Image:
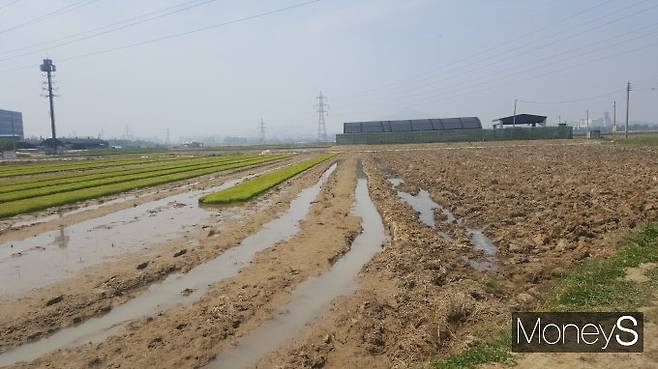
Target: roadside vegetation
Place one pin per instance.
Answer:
(595, 285)
(94, 189)
(253, 187)
(644, 138)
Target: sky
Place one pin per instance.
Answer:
(373, 59)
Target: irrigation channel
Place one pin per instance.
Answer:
(55, 255)
(167, 294)
(311, 297)
(424, 205)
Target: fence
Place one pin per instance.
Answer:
(456, 135)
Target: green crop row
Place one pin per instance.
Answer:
(248, 189)
(42, 168)
(26, 184)
(41, 191)
(57, 199)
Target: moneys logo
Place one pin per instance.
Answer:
(577, 332)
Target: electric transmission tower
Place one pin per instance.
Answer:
(322, 107)
(47, 69)
(261, 129)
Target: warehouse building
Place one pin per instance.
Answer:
(11, 125)
(464, 129)
(521, 119)
(409, 131)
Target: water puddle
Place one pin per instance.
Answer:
(484, 244)
(314, 295)
(425, 206)
(175, 289)
(55, 255)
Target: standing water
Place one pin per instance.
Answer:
(425, 206)
(314, 295)
(167, 294)
(55, 255)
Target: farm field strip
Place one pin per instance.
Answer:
(147, 226)
(248, 189)
(166, 294)
(100, 174)
(189, 301)
(56, 199)
(22, 170)
(41, 191)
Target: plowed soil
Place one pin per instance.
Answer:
(545, 205)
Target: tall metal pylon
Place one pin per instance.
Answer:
(261, 128)
(322, 107)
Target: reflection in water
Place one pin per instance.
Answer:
(425, 206)
(167, 294)
(62, 240)
(100, 239)
(314, 295)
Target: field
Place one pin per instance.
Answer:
(250, 188)
(36, 193)
(404, 256)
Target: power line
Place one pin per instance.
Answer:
(10, 3)
(551, 25)
(451, 95)
(588, 62)
(608, 94)
(178, 35)
(513, 71)
(110, 28)
(417, 91)
(44, 17)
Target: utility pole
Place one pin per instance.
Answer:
(628, 100)
(49, 68)
(262, 131)
(514, 118)
(322, 107)
(614, 117)
(587, 121)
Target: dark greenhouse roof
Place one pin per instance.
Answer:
(522, 119)
(413, 125)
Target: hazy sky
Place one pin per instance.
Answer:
(374, 59)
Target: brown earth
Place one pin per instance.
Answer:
(98, 288)
(189, 337)
(545, 205)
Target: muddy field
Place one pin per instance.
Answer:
(383, 257)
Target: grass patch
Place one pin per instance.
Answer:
(46, 201)
(497, 351)
(493, 286)
(599, 285)
(248, 189)
(634, 138)
(595, 285)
